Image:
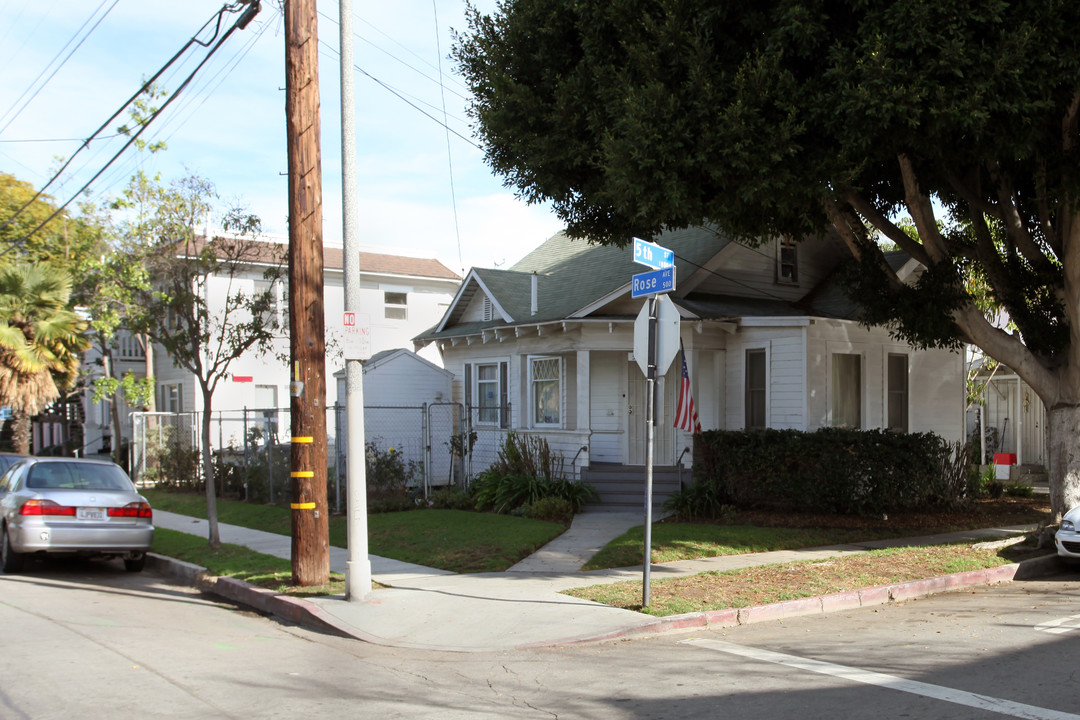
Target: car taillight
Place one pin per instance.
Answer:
(45, 507)
(135, 510)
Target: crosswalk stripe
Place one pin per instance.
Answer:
(869, 677)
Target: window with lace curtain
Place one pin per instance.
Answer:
(546, 380)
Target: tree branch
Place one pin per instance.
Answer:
(1008, 349)
(1014, 224)
(853, 233)
(922, 212)
(888, 228)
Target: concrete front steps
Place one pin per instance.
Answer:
(622, 487)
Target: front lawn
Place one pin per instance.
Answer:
(453, 540)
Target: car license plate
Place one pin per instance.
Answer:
(84, 513)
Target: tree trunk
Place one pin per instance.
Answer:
(1063, 423)
(208, 474)
(20, 431)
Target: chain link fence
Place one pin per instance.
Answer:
(437, 444)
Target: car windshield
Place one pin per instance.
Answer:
(77, 476)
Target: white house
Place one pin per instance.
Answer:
(771, 341)
(401, 295)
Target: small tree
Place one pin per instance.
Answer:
(176, 310)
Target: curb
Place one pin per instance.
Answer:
(835, 602)
(299, 611)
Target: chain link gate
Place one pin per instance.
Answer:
(164, 447)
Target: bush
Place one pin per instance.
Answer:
(451, 498)
(700, 501)
(388, 477)
(552, 509)
(526, 471)
(832, 470)
(1019, 489)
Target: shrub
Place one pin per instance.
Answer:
(1019, 489)
(700, 501)
(388, 477)
(552, 509)
(832, 470)
(451, 498)
(526, 471)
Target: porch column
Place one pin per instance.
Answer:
(584, 391)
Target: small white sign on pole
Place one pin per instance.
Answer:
(357, 331)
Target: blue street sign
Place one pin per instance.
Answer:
(657, 281)
(653, 255)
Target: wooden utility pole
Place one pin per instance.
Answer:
(310, 528)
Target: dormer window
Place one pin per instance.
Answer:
(787, 261)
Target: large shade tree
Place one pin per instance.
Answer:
(784, 117)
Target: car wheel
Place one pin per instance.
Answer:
(135, 564)
(10, 560)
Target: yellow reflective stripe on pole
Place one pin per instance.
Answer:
(303, 506)
(303, 474)
(307, 439)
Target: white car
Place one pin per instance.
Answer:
(1067, 538)
(72, 506)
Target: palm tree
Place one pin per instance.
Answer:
(40, 342)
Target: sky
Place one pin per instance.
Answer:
(70, 64)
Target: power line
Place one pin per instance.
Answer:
(449, 154)
(58, 67)
(251, 9)
(146, 85)
(404, 99)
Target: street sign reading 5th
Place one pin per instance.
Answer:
(653, 255)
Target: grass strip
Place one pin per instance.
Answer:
(454, 540)
(748, 587)
(236, 561)
(688, 541)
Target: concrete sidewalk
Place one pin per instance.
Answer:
(423, 607)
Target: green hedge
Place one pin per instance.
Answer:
(831, 470)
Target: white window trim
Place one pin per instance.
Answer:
(886, 353)
(832, 350)
(767, 347)
(474, 390)
(562, 391)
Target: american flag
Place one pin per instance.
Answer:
(686, 417)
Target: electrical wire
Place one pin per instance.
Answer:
(146, 85)
(449, 154)
(240, 23)
(402, 97)
(58, 67)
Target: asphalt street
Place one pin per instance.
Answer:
(89, 640)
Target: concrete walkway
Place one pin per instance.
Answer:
(423, 607)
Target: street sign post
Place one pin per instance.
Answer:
(656, 339)
(652, 255)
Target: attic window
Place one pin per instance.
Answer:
(489, 310)
(787, 261)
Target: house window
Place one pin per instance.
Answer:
(491, 393)
(787, 261)
(272, 290)
(897, 398)
(545, 378)
(756, 379)
(172, 399)
(396, 305)
(847, 390)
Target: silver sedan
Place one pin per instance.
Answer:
(72, 506)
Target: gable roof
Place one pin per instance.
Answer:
(575, 279)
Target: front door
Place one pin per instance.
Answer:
(637, 430)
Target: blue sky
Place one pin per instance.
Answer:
(229, 125)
